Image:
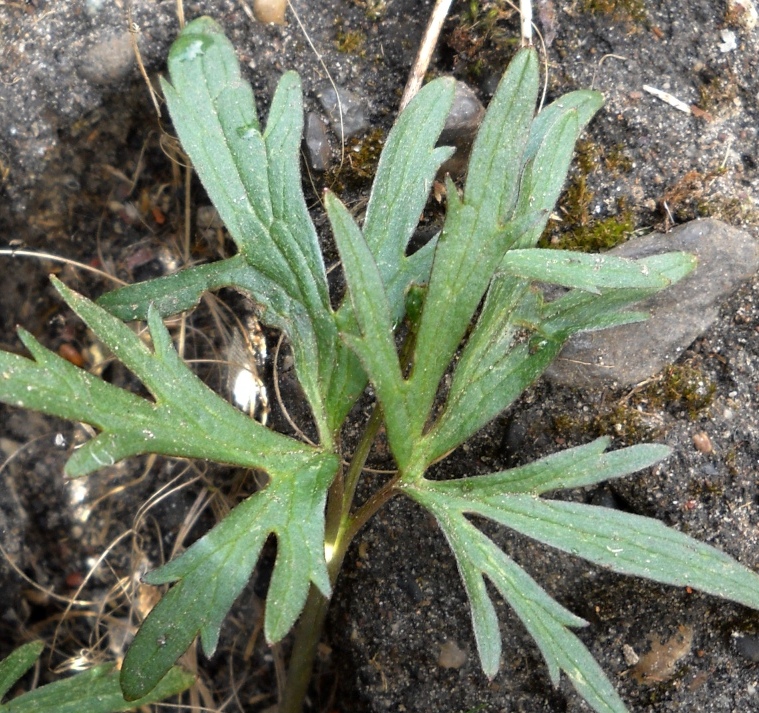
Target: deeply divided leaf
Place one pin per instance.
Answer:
(254, 181)
(480, 326)
(547, 621)
(375, 341)
(477, 231)
(495, 164)
(549, 153)
(95, 691)
(211, 574)
(623, 542)
(406, 171)
(186, 419)
(404, 177)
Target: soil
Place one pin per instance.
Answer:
(90, 173)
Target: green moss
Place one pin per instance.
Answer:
(731, 210)
(681, 387)
(350, 41)
(617, 161)
(578, 228)
(633, 11)
(360, 163)
(575, 204)
(620, 419)
(697, 195)
(484, 16)
(625, 422)
(632, 418)
(600, 235)
(719, 93)
(587, 156)
(476, 69)
(483, 36)
(731, 460)
(705, 489)
(373, 9)
(565, 424)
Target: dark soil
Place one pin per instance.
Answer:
(88, 174)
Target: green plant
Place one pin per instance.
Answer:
(463, 306)
(96, 690)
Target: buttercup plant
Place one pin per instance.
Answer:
(96, 690)
(466, 307)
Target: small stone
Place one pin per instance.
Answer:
(451, 656)
(316, 142)
(460, 128)
(631, 353)
(747, 645)
(351, 108)
(661, 662)
(630, 655)
(207, 217)
(464, 118)
(270, 11)
(729, 41)
(742, 13)
(109, 60)
(702, 442)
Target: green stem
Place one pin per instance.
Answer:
(307, 636)
(311, 623)
(369, 508)
(340, 529)
(359, 461)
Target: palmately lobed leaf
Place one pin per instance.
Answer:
(96, 690)
(253, 179)
(547, 621)
(186, 419)
(622, 542)
(486, 250)
(405, 174)
(213, 571)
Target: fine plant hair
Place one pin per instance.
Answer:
(467, 309)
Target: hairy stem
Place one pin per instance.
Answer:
(359, 460)
(369, 508)
(307, 636)
(340, 529)
(338, 536)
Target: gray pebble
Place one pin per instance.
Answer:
(207, 216)
(460, 129)
(629, 354)
(316, 142)
(108, 60)
(747, 645)
(464, 117)
(354, 120)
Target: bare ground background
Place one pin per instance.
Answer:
(87, 173)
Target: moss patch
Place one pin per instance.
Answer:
(484, 34)
(631, 11)
(350, 41)
(683, 387)
(697, 195)
(578, 228)
(359, 166)
(374, 10)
